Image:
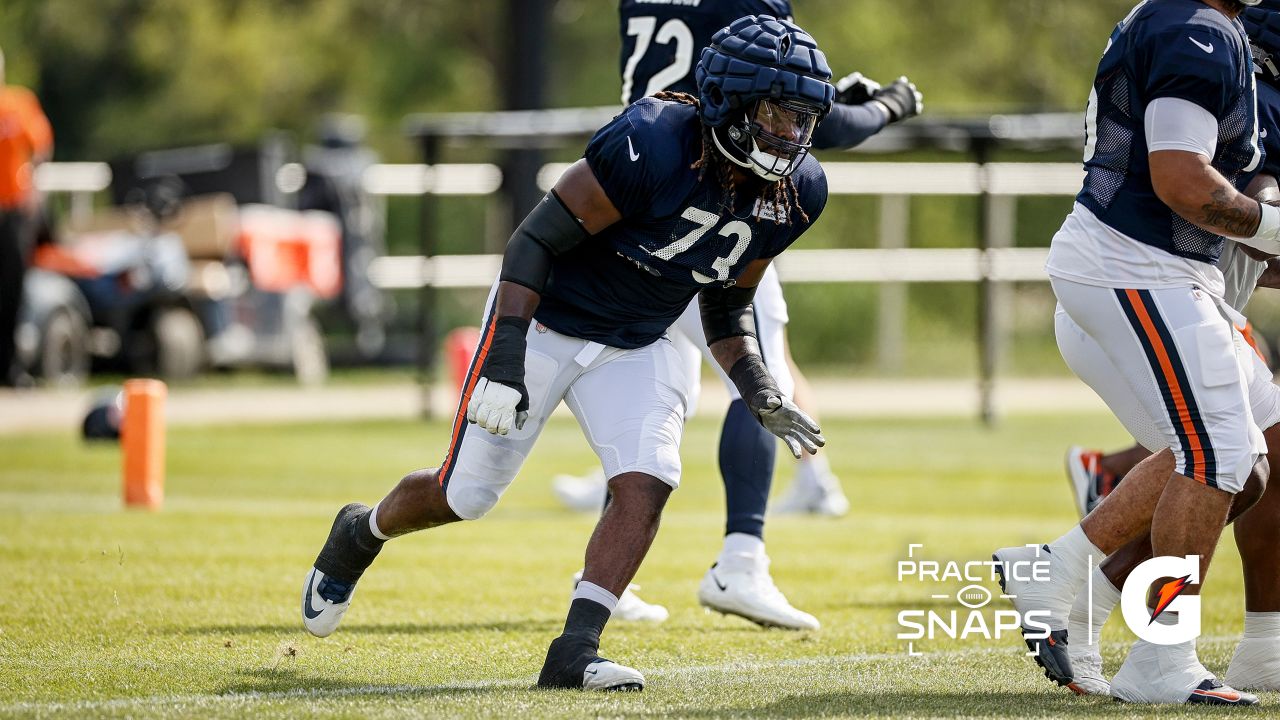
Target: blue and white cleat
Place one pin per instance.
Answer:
(330, 584)
(1049, 652)
(324, 601)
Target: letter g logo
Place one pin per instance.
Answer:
(1168, 598)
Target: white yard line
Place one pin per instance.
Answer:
(44, 410)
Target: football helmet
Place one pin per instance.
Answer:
(1263, 25)
(763, 86)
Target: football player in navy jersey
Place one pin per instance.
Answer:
(1256, 662)
(659, 42)
(678, 197)
(1171, 127)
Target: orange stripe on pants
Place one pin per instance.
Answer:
(1166, 367)
(460, 420)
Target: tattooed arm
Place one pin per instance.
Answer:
(1188, 184)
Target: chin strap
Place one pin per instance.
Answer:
(757, 159)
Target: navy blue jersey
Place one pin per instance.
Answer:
(1166, 48)
(626, 285)
(663, 39)
(1269, 128)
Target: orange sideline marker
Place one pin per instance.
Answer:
(459, 347)
(142, 438)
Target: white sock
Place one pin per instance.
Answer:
(741, 546)
(1104, 598)
(1262, 624)
(595, 593)
(812, 471)
(373, 524)
(1074, 557)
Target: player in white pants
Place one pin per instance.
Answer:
(1256, 662)
(1171, 127)
(740, 582)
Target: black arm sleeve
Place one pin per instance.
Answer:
(549, 230)
(727, 312)
(848, 125)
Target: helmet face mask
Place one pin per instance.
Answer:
(772, 137)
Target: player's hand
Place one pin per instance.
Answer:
(900, 99)
(783, 418)
(856, 89)
(497, 407)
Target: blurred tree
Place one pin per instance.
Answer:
(120, 75)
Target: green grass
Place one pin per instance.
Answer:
(193, 611)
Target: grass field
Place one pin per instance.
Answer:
(193, 611)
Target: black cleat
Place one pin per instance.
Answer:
(331, 583)
(1049, 652)
(572, 662)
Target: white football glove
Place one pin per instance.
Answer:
(493, 407)
(855, 89)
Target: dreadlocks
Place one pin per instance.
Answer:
(782, 194)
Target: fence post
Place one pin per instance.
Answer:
(891, 321)
(1001, 219)
(426, 294)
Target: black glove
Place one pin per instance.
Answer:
(855, 89)
(503, 365)
(901, 99)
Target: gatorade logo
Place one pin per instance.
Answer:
(1169, 599)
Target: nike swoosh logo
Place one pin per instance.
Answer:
(1228, 696)
(592, 672)
(631, 150)
(307, 609)
(1207, 48)
(719, 584)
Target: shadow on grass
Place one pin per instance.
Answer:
(286, 681)
(926, 704)
(380, 629)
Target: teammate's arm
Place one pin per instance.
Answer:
(729, 324)
(863, 108)
(575, 209)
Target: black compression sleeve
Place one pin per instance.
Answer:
(754, 382)
(505, 361)
(549, 230)
(727, 312)
(848, 125)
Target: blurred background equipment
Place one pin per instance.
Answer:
(26, 140)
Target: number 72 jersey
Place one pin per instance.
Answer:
(627, 284)
(663, 39)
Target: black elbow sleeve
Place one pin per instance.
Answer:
(727, 312)
(549, 230)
